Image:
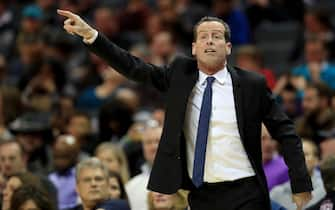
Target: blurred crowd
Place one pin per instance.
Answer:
(75, 134)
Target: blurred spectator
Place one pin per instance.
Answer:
(92, 181)
(48, 8)
(10, 109)
(66, 152)
(327, 146)
(64, 109)
(288, 97)
(317, 115)
(137, 186)
(28, 197)
(117, 190)
(275, 169)
(163, 48)
(316, 67)
(116, 116)
(7, 29)
(317, 25)
(114, 158)
(14, 161)
(108, 23)
(176, 201)
(134, 16)
(249, 57)
(92, 98)
(18, 180)
(79, 125)
(328, 173)
(259, 11)
(30, 53)
(33, 132)
(283, 194)
(235, 18)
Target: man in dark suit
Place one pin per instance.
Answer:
(211, 137)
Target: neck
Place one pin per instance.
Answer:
(210, 70)
(88, 205)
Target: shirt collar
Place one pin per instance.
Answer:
(220, 76)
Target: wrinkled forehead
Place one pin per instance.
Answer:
(211, 26)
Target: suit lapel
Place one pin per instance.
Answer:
(238, 99)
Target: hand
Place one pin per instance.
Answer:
(301, 199)
(75, 25)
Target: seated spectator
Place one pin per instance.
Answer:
(159, 201)
(327, 168)
(117, 190)
(18, 180)
(13, 161)
(249, 57)
(28, 197)
(65, 156)
(316, 67)
(282, 194)
(32, 131)
(317, 115)
(92, 184)
(137, 186)
(275, 169)
(114, 158)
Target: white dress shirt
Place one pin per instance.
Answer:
(226, 159)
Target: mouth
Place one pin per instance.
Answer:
(210, 51)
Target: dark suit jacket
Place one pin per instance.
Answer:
(254, 104)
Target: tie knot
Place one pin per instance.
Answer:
(210, 80)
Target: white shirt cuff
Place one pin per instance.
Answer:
(92, 39)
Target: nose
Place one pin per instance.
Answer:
(209, 41)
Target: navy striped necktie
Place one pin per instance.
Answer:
(202, 134)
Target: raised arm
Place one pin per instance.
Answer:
(121, 60)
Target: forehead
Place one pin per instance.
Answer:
(10, 148)
(210, 26)
(90, 172)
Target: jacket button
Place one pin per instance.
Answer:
(178, 157)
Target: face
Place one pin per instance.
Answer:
(92, 185)
(65, 153)
(310, 103)
(310, 155)
(12, 184)
(109, 159)
(11, 159)
(210, 46)
(29, 205)
(150, 143)
(30, 142)
(79, 126)
(115, 191)
(315, 52)
(162, 201)
(268, 145)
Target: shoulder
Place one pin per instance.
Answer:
(247, 76)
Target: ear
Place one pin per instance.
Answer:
(228, 48)
(193, 49)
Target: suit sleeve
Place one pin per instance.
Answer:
(130, 66)
(282, 129)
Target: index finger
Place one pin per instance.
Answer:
(67, 14)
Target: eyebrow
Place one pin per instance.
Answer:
(212, 31)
